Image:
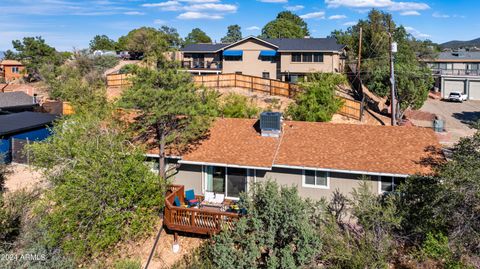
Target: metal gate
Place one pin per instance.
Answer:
(20, 154)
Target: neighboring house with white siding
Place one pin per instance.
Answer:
(286, 59)
(457, 71)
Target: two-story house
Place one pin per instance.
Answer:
(286, 59)
(11, 70)
(457, 71)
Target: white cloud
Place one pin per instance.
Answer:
(337, 17)
(416, 33)
(273, 1)
(439, 15)
(191, 15)
(199, 1)
(294, 8)
(410, 13)
(166, 6)
(387, 4)
(314, 15)
(159, 21)
(350, 23)
(253, 28)
(212, 6)
(134, 13)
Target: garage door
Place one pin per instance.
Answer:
(474, 90)
(453, 85)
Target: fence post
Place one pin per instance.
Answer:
(251, 83)
(235, 80)
(28, 152)
(270, 81)
(218, 81)
(289, 90)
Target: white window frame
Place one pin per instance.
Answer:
(248, 178)
(394, 186)
(305, 185)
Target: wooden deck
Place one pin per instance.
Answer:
(194, 220)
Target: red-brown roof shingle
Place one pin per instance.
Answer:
(346, 147)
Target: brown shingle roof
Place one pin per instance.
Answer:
(348, 147)
(10, 62)
(235, 142)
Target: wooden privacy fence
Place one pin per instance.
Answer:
(265, 85)
(118, 80)
(351, 108)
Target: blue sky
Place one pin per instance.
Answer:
(68, 24)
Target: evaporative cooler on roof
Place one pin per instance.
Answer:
(271, 123)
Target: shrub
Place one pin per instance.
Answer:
(277, 232)
(128, 264)
(238, 106)
(102, 191)
(318, 101)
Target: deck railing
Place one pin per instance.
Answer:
(456, 72)
(194, 220)
(202, 65)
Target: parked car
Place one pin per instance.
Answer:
(457, 97)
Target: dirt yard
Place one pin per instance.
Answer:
(164, 257)
(23, 176)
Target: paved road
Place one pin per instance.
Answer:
(457, 116)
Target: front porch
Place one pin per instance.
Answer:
(205, 219)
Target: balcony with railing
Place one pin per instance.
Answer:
(456, 72)
(202, 65)
(202, 219)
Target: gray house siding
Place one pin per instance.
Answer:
(344, 182)
(191, 176)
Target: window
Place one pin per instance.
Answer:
(228, 181)
(296, 57)
(307, 57)
(15, 69)
(315, 179)
(389, 184)
(266, 75)
(238, 72)
(318, 57)
(233, 58)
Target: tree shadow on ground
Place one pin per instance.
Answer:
(469, 118)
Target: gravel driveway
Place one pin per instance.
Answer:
(457, 116)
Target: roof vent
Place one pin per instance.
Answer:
(271, 124)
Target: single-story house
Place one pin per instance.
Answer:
(286, 59)
(11, 70)
(22, 127)
(16, 102)
(457, 71)
(318, 158)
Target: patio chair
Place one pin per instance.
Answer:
(209, 196)
(219, 198)
(190, 198)
(176, 201)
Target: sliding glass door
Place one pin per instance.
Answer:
(228, 181)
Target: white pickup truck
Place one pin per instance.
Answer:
(457, 97)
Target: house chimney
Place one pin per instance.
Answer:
(271, 124)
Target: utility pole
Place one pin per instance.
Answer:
(393, 103)
(359, 71)
(359, 52)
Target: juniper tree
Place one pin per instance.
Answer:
(171, 108)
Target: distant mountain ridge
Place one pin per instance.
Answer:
(454, 44)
